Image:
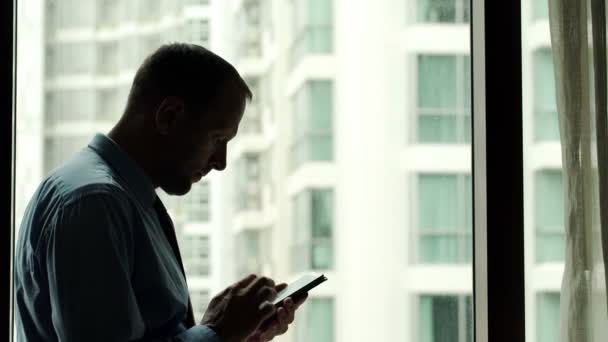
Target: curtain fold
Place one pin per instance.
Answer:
(579, 52)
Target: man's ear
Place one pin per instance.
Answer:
(168, 114)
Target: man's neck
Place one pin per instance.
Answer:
(140, 154)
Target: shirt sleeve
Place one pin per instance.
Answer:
(89, 266)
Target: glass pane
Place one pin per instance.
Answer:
(547, 317)
(437, 11)
(438, 249)
(546, 125)
(444, 103)
(544, 209)
(437, 81)
(540, 9)
(439, 319)
(349, 157)
(438, 198)
(441, 128)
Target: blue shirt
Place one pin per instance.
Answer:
(92, 261)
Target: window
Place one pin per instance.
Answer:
(444, 99)
(248, 182)
(80, 54)
(149, 10)
(315, 321)
(313, 123)
(540, 9)
(108, 58)
(548, 317)
(107, 104)
(75, 13)
(549, 218)
(197, 2)
(108, 12)
(546, 127)
(252, 119)
(313, 230)
(252, 251)
(129, 60)
(196, 256)
(443, 11)
(198, 32)
(444, 219)
(445, 318)
(250, 29)
(64, 105)
(313, 28)
(196, 203)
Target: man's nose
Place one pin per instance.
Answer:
(218, 161)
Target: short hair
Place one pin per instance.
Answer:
(188, 71)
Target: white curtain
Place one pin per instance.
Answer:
(578, 41)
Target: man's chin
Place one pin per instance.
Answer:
(178, 189)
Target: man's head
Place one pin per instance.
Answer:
(186, 103)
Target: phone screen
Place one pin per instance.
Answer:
(300, 286)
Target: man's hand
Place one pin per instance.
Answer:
(279, 323)
(238, 311)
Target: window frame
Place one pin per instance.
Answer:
(498, 253)
(8, 58)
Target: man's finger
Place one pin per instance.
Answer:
(281, 287)
(256, 285)
(299, 300)
(266, 294)
(291, 310)
(245, 282)
(267, 310)
(282, 314)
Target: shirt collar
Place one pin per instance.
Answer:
(125, 167)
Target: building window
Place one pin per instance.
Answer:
(248, 182)
(546, 126)
(547, 317)
(443, 11)
(149, 10)
(445, 319)
(108, 58)
(313, 220)
(313, 28)
(444, 219)
(253, 248)
(252, 120)
(74, 13)
(197, 2)
(540, 9)
(81, 57)
(108, 12)
(316, 321)
(196, 255)
(444, 99)
(59, 149)
(200, 299)
(313, 123)
(129, 59)
(198, 32)
(197, 203)
(108, 104)
(549, 216)
(65, 105)
(250, 29)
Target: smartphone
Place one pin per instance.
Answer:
(299, 287)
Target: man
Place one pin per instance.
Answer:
(97, 258)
